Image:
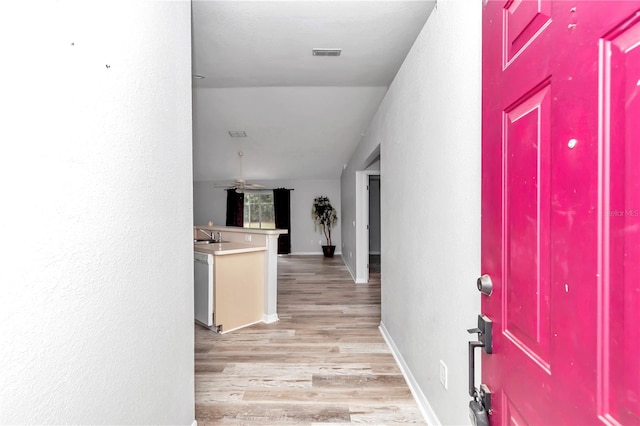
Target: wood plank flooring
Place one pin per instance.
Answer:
(324, 363)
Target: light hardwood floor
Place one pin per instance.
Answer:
(325, 362)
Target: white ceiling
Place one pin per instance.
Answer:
(303, 115)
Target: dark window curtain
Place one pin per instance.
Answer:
(235, 208)
(282, 213)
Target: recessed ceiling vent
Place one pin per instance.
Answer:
(237, 134)
(327, 52)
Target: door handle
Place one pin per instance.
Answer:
(480, 406)
(485, 333)
(472, 366)
(485, 341)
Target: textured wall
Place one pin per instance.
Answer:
(210, 204)
(96, 312)
(428, 130)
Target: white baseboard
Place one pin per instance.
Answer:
(423, 404)
(238, 328)
(353, 276)
(269, 319)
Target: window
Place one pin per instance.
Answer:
(258, 210)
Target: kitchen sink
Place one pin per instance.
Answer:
(208, 241)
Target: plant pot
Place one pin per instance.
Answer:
(328, 250)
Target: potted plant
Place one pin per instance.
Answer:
(324, 217)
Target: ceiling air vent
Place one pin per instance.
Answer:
(237, 134)
(327, 52)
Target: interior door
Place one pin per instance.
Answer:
(561, 210)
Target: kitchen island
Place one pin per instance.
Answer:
(228, 285)
(267, 238)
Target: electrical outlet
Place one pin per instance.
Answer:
(247, 238)
(443, 374)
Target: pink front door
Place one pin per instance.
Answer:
(561, 210)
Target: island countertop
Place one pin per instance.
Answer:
(238, 229)
(267, 239)
(225, 248)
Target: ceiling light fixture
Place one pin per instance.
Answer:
(197, 76)
(237, 134)
(326, 52)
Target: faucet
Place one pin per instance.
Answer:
(216, 239)
(205, 233)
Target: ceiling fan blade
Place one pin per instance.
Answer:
(253, 186)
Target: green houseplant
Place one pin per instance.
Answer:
(324, 217)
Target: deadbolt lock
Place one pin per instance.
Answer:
(484, 284)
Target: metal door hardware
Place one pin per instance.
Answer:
(472, 367)
(480, 406)
(485, 333)
(477, 414)
(484, 284)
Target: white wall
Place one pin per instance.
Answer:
(277, 120)
(428, 130)
(96, 312)
(210, 203)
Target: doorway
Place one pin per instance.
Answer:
(362, 224)
(374, 225)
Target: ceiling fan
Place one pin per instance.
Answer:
(240, 184)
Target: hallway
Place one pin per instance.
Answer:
(324, 362)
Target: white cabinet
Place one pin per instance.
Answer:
(203, 288)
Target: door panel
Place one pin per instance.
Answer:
(561, 210)
(526, 172)
(517, 101)
(523, 23)
(620, 254)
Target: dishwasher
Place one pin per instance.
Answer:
(203, 288)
